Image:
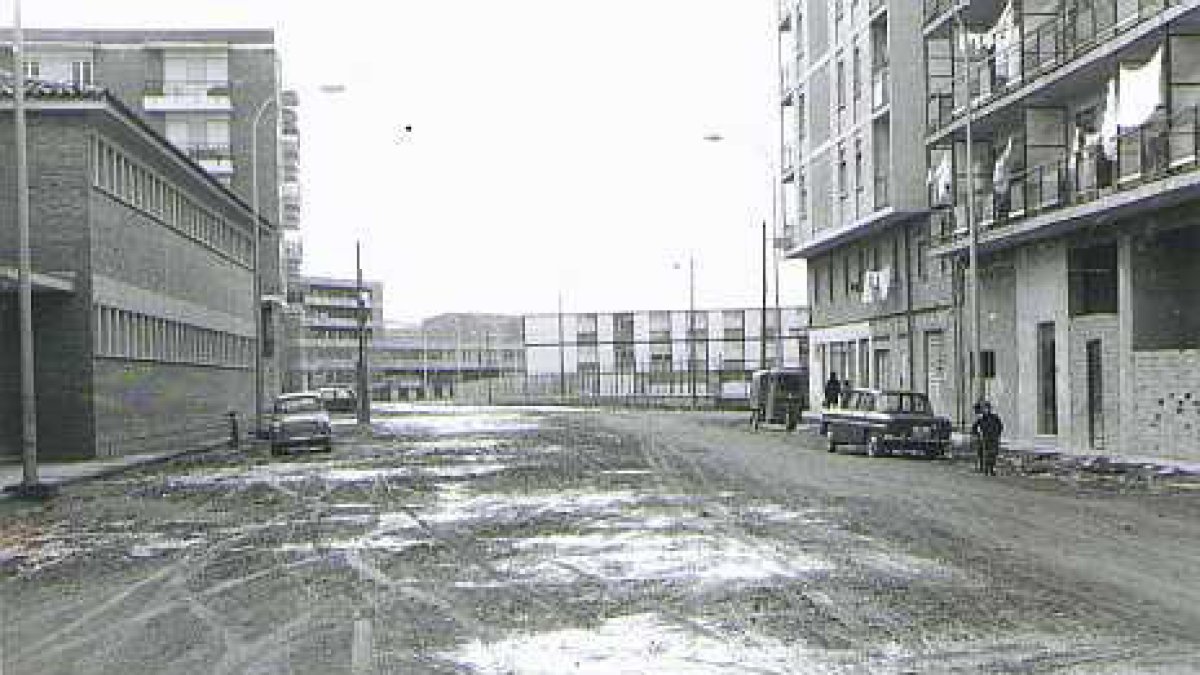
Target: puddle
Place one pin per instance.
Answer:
(641, 643)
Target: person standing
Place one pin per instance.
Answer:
(833, 390)
(987, 430)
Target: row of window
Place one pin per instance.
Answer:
(145, 191)
(82, 71)
(129, 335)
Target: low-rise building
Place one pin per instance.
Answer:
(143, 302)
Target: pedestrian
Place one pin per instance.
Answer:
(846, 393)
(987, 429)
(833, 390)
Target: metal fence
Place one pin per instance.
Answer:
(672, 389)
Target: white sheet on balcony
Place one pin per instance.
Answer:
(1141, 90)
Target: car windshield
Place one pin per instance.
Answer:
(905, 403)
(307, 404)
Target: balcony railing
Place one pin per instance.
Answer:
(1043, 49)
(208, 152)
(1143, 154)
(189, 92)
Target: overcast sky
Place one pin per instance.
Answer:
(557, 145)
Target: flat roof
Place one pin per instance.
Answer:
(142, 35)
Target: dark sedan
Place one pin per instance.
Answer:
(887, 422)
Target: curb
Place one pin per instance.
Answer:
(121, 468)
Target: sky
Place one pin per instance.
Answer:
(557, 146)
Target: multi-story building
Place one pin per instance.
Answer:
(203, 90)
(461, 356)
(289, 182)
(143, 301)
(1081, 122)
(854, 195)
(657, 353)
(323, 330)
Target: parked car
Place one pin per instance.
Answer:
(299, 419)
(338, 399)
(886, 422)
(778, 396)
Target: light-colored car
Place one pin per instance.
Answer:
(299, 419)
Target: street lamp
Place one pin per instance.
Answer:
(716, 137)
(976, 387)
(691, 328)
(257, 253)
(30, 485)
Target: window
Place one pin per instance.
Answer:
(81, 73)
(33, 69)
(922, 254)
(840, 83)
(858, 165)
(987, 364)
(855, 74)
(841, 172)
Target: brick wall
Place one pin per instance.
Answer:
(1167, 404)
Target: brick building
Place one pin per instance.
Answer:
(201, 90)
(143, 281)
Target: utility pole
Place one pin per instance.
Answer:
(364, 380)
(30, 485)
(562, 359)
(488, 362)
(692, 328)
(762, 318)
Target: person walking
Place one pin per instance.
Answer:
(833, 390)
(987, 430)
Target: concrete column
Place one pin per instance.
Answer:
(1127, 376)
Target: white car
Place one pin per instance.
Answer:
(299, 419)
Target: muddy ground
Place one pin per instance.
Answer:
(550, 541)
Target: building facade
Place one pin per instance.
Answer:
(323, 327)
(854, 196)
(1081, 119)
(143, 300)
(203, 91)
(657, 354)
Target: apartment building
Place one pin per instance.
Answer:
(854, 198)
(658, 354)
(203, 90)
(1081, 122)
(143, 302)
(323, 329)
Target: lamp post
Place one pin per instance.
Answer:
(364, 379)
(973, 363)
(30, 485)
(715, 137)
(690, 340)
(257, 253)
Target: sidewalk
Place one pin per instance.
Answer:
(1026, 453)
(56, 474)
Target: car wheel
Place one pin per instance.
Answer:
(276, 450)
(875, 447)
(327, 446)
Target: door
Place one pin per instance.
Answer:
(1095, 395)
(1047, 375)
(935, 371)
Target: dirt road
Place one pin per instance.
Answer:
(553, 541)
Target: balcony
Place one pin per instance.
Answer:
(174, 96)
(1153, 165)
(214, 158)
(1042, 50)
(880, 88)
